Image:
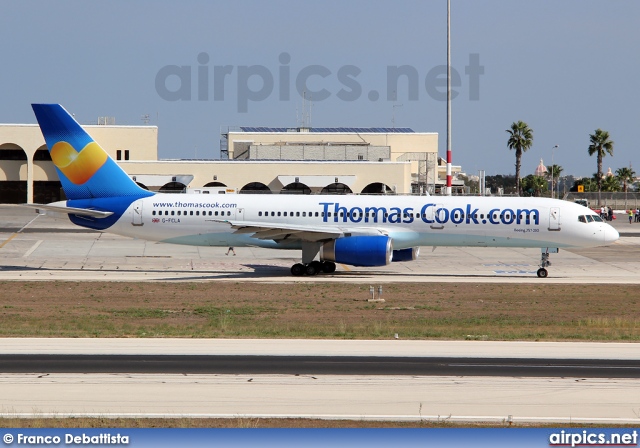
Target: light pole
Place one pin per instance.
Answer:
(552, 168)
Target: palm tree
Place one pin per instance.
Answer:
(520, 139)
(534, 185)
(626, 176)
(610, 184)
(554, 170)
(600, 146)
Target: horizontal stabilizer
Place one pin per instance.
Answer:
(70, 210)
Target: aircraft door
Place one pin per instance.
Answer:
(240, 214)
(554, 218)
(438, 215)
(136, 218)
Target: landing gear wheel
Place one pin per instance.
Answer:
(297, 269)
(317, 265)
(542, 273)
(328, 267)
(311, 269)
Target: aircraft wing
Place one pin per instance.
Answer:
(292, 232)
(70, 210)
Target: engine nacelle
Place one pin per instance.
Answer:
(358, 250)
(410, 254)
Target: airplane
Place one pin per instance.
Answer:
(354, 230)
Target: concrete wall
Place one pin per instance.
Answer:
(141, 141)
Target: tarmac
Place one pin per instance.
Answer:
(48, 249)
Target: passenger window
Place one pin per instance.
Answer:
(178, 212)
(166, 212)
(285, 213)
(279, 213)
(316, 214)
(273, 213)
(197, 212)
(190, 212)
(210, 213)
(172, 213)
(297, 213)
(304, 214)
(216, 213)
(329, 214)
(228, 213)
(153, 213)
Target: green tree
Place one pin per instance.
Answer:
(534, 185)
(601, 145)
(626, 176)
(520, 140)
(610, 184)
(588, 184)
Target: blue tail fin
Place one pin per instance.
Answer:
(85, 169)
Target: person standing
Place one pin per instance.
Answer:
(231, 249)
(630, 216)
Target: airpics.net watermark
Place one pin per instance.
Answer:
(254, 83)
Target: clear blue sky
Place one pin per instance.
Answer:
(564, 67)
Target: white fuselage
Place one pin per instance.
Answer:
(198, 219)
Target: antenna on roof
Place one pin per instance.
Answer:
(145, 119)
(305, 120)
(393, 118)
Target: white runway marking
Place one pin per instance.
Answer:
(32, 249)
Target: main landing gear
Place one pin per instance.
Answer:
(544, 262)
(313, 268)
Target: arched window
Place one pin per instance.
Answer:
(296, 188)
(255, 188)
(377, 188)
(173, 187)
(336, 188)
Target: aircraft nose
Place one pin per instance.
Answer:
(611, 235)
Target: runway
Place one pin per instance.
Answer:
(413, 380)
(315, 365)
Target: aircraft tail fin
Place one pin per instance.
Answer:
(85, 169)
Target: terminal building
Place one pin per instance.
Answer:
(301, 160)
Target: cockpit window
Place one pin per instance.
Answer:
(596, 218)
(581, 218)
(589, 218)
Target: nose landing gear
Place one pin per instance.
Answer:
(544, 262)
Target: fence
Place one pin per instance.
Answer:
(617, 201)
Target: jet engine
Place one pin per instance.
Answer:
(409, 254)
(358, 250)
